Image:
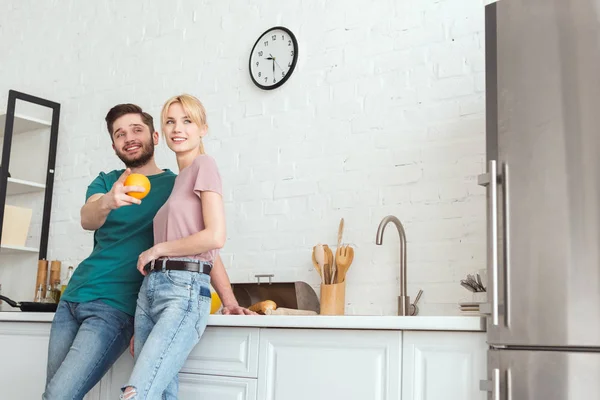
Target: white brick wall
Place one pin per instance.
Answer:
(383, 115)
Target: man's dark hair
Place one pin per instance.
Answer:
(123, 109)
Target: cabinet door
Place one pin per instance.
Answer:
(194, 387)
(93, 394)
(225, 351)
(24, 353)
(116, 377)
(300, 364)
(191, 386)
(443, 365)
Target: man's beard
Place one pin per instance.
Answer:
(142, 159)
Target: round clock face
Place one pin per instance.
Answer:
(273, 58)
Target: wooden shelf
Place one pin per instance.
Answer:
(23, 124)
(20, 186)
(7, 249)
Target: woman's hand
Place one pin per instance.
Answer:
(236, 310)
(146, 257)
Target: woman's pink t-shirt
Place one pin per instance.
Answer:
(181, 215)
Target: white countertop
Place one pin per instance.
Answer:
(418, 323)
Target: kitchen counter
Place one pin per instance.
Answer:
(372, 322)
(258, 357)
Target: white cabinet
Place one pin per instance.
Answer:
(24, 354)
(196, 387)
(225, 351)
(110, 386)
(245, 363)
(443, 365)
(299, 364)
(224, 364)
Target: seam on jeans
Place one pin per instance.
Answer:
(137, 304)
(203, 301)
(150, 288)
(162, 356)
(190, 289)
(103, 356)
(146, 313)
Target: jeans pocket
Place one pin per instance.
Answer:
(180, 278)
(204, 293)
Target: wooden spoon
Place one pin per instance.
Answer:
(339, 243)
(328, 264)
(319, 259)
(344, 256)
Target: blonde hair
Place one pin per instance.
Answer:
(193, 108)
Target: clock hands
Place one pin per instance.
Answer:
(274, 59)
(274, 63)
(279, 66)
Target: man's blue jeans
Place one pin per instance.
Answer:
(85, 340)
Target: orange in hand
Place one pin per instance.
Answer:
(138, 180)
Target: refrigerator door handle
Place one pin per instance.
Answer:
(506, 241)
(490, 179)
(493, 385)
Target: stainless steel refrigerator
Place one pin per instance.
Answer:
(543, 199)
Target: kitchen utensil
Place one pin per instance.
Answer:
(473, 281)
(339, 243)
(328, 263)
(344, 256)
(315, 263)
(320, 259)
(333, 299)
(414, 310)
(467, 285)
(480, 282)
(30, 306)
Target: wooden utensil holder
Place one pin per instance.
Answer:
(333, 299)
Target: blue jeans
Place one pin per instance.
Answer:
(85, 340)
(171, 316)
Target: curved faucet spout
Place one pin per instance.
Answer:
(403, 299)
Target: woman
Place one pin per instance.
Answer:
(174, 300)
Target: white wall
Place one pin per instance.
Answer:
(383, 115)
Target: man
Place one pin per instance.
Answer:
(93, 324)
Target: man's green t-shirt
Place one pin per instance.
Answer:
(110, 273)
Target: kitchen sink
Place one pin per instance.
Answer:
(296, 295)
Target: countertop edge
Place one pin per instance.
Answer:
(417, 323)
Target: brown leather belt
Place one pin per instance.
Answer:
(203, 267)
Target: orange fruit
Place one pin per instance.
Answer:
(138, 180)
(215, 302)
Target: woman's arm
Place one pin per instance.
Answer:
(210, 238)
(220, 281)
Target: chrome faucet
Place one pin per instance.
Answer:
(403, 299)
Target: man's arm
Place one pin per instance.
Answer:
(97, 207)
(94, 212)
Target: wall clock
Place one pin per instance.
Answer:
(273, 58)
